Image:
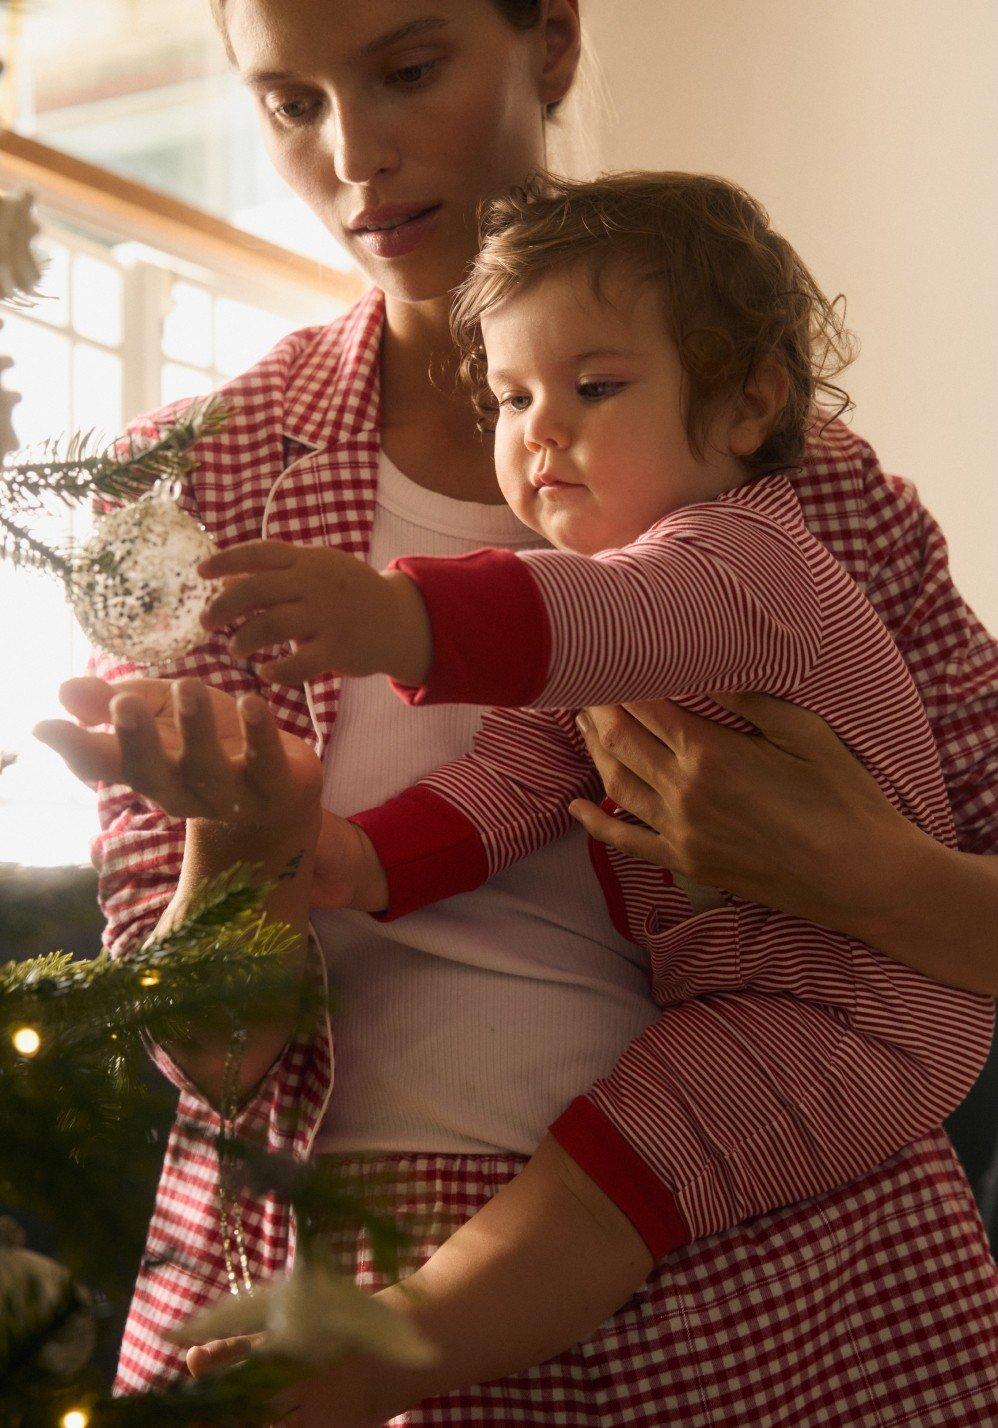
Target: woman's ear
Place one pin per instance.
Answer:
(562, 33)
(756, 409)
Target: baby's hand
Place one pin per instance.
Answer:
(341, 616)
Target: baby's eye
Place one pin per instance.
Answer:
(515, 401)
(598, 391)
(410, 76)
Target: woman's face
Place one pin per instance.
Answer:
(394, 119)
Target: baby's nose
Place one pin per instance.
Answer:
(545, 432)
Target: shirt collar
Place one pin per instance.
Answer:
(334, 390)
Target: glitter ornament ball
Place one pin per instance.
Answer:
(134, 585)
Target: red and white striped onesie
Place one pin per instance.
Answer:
(832, 1056)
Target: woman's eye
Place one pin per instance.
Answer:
(515, 401)
(293, 111)
(410, 76)
(598, 391)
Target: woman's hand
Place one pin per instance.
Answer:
(250, 794)
(357, 1391)
(190, 748)
(784, 820)
(791, 820)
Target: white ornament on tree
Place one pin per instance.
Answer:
(134, 584)
(20, 272)
(311, 1315)
(40, 1301)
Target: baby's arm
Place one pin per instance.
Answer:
(461, 824)
(717, 597)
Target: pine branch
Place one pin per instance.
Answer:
(324, 1201)
(224, 955)
(240, 1398)
(23, 549)
(71, 470)
(85, 1084)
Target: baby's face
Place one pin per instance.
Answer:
(591, 447)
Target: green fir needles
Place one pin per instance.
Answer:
(81, 468)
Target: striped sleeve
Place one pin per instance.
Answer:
(735, 1104)
(473, 817)
(722, 598)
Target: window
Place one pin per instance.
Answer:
(121, 329)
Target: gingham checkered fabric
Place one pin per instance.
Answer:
(876, 1306)
(298, 461)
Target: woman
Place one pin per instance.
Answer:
(393, 120)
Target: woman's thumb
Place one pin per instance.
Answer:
(206, 1359)
(786, 725)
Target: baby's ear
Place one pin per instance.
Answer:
(757, 408)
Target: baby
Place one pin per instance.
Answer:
(650, 354)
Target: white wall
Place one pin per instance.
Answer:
(868, 128)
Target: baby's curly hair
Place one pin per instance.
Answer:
(733, 291)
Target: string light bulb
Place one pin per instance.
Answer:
(26, 1040)
(149, 979)
(75, 1418)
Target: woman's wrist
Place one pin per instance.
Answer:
(938, 911)
(286, 856)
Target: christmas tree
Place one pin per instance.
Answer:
(76, 1098)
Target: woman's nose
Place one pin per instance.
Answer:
(362, 149)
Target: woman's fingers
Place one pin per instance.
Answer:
(629, 791)
(91, 756)
(203, 766)
(267, 771)
(615, 833)
(145, 766)
(89, 699)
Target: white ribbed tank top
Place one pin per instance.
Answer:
(468, 1026)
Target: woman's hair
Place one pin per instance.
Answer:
(732, 291)
(524, 14)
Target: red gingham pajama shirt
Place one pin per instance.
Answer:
(875, 1303)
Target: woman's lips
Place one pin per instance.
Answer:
(397, 241)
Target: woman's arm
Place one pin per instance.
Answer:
(793, 821)
(248, 792)
(289, 856)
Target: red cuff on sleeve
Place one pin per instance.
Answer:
(491, 635)
(428, 849)
(611, 1162)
